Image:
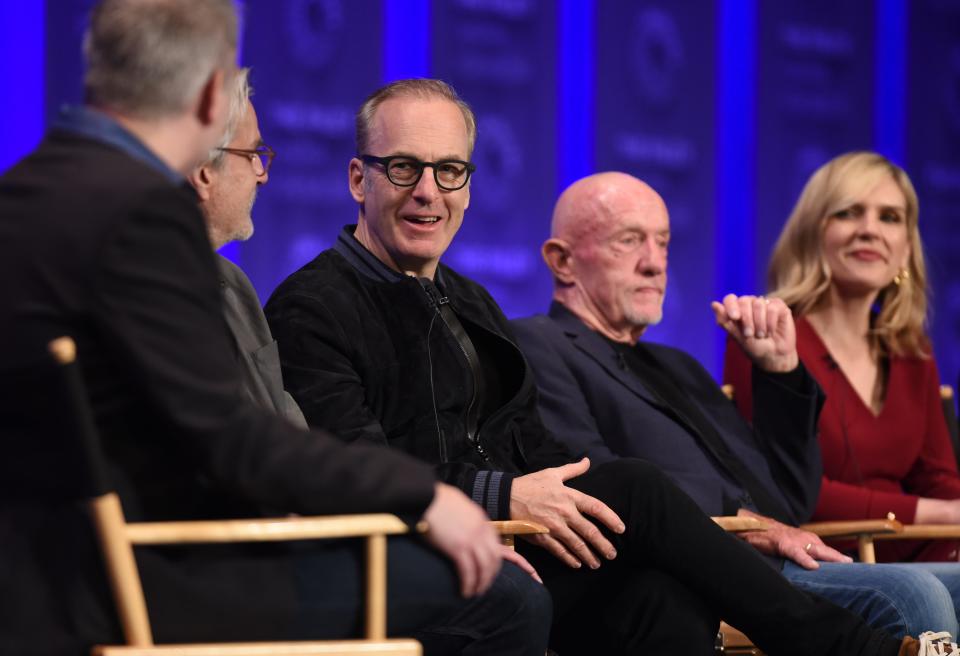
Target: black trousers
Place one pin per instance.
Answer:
(675, 575)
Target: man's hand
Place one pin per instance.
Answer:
(460, 530)
(508, 553)
(543, 498)
(764, 329)
(802, 547)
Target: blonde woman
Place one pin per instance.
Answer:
(849, 264)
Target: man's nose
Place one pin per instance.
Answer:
(653, 260)
(426, 188)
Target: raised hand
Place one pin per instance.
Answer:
(763, 327)
(542, 497)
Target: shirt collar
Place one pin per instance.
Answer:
(94, 124)
(367, 263)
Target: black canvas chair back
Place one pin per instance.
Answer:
(949, 403)
(50, 450)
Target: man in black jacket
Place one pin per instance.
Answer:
(102, 240)
(384, 345)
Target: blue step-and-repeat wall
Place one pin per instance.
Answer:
(724, 106)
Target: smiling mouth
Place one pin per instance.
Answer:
(422, 220)
(870, 256)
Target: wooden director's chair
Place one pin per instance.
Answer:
(59, 381)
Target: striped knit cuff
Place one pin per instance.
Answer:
(491, 491)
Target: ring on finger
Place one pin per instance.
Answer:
(808, 546)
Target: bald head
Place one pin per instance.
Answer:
(608, 253)
(590, 203)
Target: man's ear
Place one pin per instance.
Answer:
(202, 180)
(557, 254)
(211, 99)
(355, 173)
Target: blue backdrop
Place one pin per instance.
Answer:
(725, 106)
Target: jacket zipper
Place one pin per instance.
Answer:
(441, 305)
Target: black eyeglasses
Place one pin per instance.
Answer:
(261, 157)
(403, 171)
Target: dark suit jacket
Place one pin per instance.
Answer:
(600, 408)
(256, 347)
(99, 246)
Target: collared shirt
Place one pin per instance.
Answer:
(94, 124)
(369, 264)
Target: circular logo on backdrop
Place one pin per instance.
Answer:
(313, 28)
(499, 161)
(656, 54)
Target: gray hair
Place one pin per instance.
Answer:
(150, 58)
(239, 95)
(416, 88)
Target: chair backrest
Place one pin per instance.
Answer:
(52, 455)
(51, 451)
(948, 402)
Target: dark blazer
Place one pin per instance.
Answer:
(591, 400)
(99, 246)
(256, 347)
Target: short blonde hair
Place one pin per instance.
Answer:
(798, 272)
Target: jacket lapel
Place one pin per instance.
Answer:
(598, 349)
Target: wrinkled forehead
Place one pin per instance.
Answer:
(616, 213)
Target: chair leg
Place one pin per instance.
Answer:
(377, 587)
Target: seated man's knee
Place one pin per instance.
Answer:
(633, 477)
(531, 600)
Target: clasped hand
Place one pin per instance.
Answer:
(542, 497)
(802, 547)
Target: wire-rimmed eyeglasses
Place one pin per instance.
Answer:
(261, 157)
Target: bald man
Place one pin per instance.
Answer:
(607, 396)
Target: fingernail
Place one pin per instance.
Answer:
(621, 528)
(748, 332)
(594, 565)
(611, 554)
(760, 334)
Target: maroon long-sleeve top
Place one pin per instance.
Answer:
(873, 464)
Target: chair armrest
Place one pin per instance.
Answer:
(925, 532)
(509, 529)
(733, 524)
(265, 530)
(518, 527)
(879, 528)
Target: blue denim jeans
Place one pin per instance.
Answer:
(900, 598)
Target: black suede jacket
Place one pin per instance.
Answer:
(368, 356)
